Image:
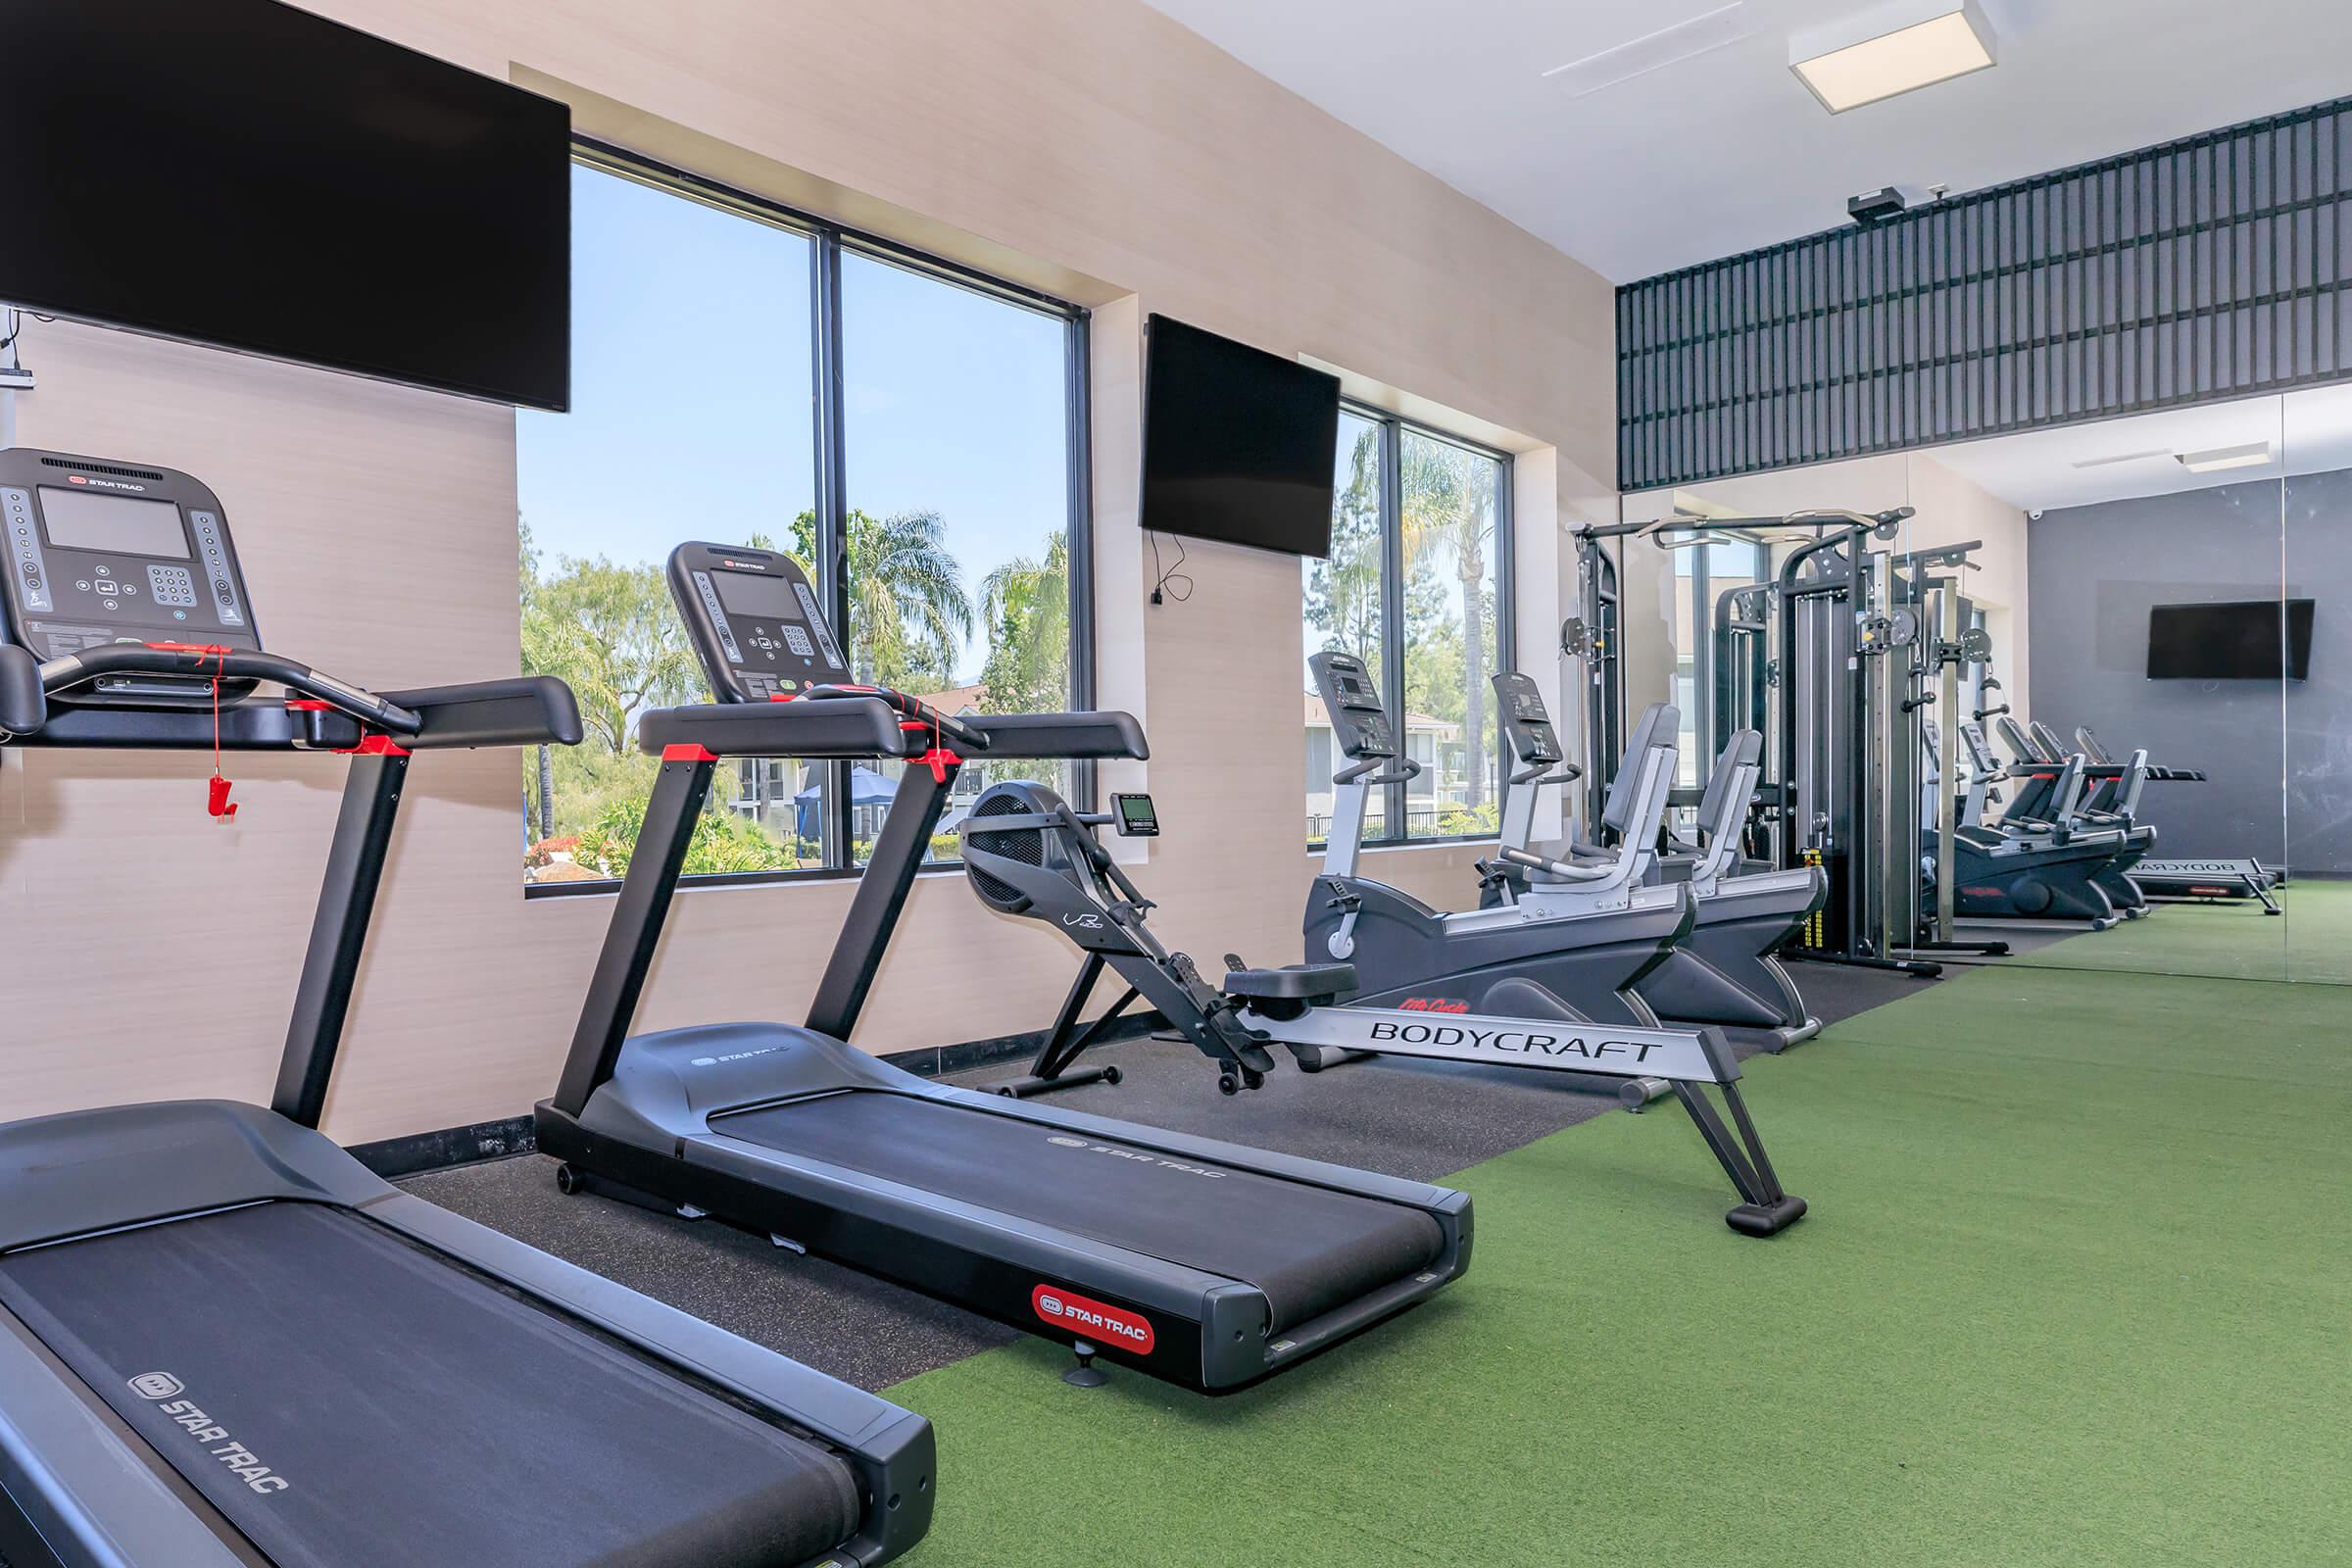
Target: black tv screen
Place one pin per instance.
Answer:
(243, 173)
(1239, 444)
(2241, 640)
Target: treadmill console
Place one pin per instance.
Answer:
(754, 622)
(1980, 750)
(100, 552)
(1526, 722)
(1358, 719)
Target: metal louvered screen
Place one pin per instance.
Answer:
(2201, 269)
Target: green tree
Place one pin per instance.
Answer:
(1343, 590)
(1025, 607)
(1449, 512)
(908, 611)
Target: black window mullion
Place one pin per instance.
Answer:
(1507, 619)
(832, 509)
(1391, 610)
(1081, 540)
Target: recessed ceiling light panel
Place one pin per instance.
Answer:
(1889, 49)
(2253, 455)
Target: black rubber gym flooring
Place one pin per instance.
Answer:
(1420, 1120)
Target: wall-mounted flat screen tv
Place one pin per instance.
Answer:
(1239, 444)
(2255, 639)
(242, 173)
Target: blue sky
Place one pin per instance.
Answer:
(690, 394)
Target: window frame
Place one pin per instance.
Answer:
(1703, 694)
(1393, 427)
(828, 242)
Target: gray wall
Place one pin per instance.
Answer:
(2092, 574)
(2318, 711)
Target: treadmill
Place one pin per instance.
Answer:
(1201, 1262)
(224, 1341)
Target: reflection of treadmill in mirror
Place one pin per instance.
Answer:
(2199, 880)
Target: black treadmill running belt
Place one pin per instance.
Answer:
(1308, 1249)
(348, 1400)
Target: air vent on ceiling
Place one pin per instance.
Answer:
(1654, 51)
(2124, 456)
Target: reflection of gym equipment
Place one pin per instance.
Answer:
(2177, 881)
(2055, 789)
(2027, 870)
(1027, 854)
(1725, 970)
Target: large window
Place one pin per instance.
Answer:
(911, 434)
(1417, 585)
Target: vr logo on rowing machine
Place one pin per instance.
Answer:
(1071, 1310)
(1084, 922)
(1514, 1042)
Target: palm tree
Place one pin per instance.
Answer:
(909, 612)
(1025, 605)
(1449, 504)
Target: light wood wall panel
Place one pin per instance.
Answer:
(1094, 136)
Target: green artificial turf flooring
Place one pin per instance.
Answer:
(2076, 1290)
(2310, 942)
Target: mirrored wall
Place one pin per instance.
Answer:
(2109, 665)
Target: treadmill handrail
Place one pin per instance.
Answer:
(23, 705)
(73, 670)
(853, 725)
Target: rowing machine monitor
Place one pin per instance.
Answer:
(102, 553)
(1135, 816)
(754, 620)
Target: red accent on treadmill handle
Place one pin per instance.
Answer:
(208, 650)
(308, 704)
(688, 752)
(938, 760)
(373, 746)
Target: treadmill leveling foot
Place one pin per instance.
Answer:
(1085, 1374)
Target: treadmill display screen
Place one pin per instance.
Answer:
(78, 520)
(761, 598)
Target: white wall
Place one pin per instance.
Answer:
(1090, 147)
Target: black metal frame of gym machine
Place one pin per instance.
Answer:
(1863, 936)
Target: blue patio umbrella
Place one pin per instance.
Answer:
(866, 788)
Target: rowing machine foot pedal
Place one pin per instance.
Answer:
(1766, 1219)
(1085, 1374)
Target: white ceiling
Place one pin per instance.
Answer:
(2307, 432)
(1726, 151)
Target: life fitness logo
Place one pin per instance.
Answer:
(1068, 1310)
